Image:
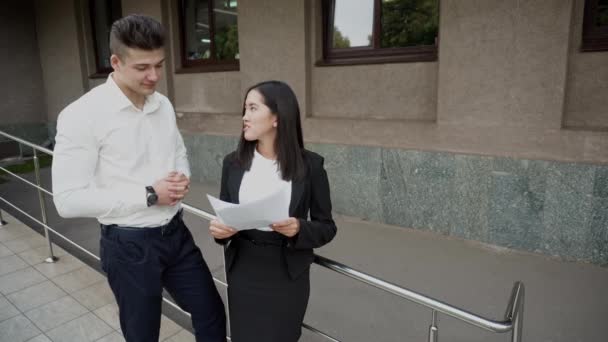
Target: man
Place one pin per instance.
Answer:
(119, 157)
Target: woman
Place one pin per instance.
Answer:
(268, 267)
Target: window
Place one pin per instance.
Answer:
(595, 26)
(103, 15)
(209, 34)
(379, 31)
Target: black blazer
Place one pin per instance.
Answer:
(308, 195)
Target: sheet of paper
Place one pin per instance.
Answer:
(256, 214)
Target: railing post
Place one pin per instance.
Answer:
(518, 323)
(20, 151)
(2, 222)
(433, 329)
(226, 278)
(51, 258)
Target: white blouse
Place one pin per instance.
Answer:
(262, 180)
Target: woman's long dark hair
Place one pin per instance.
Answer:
(288, 144)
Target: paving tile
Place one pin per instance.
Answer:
(14, 231)
(20, 280)
(25, 243)
(95, 296)
(7, 310)
(65, 264)
(78, 279)
(11, 263)
(4, 251)
(83, 329)
(37, 255)
(54, 314)
(113, 337)
(109, 314)
(36, 295)
(40, 338)
(182, 336)
(11, 220)
(17, 329)
(48, 307)
(168, 328)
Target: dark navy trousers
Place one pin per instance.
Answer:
(140, 262)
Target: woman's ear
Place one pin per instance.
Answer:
(275, 124)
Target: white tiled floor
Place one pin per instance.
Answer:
(63, 302)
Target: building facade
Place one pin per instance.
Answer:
(496, 130)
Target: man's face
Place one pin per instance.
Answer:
(139, 70)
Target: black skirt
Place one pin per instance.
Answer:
(266, 305)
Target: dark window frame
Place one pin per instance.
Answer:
(101, 71)
(201, 65)
(369, 55)
(594, 38)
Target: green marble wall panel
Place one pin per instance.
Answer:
(549, 207)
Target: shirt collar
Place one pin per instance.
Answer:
(120, 101)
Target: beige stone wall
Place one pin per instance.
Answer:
(499, 87)
(503, 62)
(400, 91)
(22, 90)
(587, 96)
(379, 91)
(203, 93)
(508, 79)
(209, 93)
(272, 44)
(275, 50)
(60, 54)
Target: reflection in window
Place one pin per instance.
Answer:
(103, 14)
(209, 32)
(380, 30)
(198, 35)
(409, 23)
(353, 23)
(226, 32)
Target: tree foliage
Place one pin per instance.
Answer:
(340, 41)
(409, 22)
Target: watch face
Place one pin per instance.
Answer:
(152, 198)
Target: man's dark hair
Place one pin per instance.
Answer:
(137, 32)
(289, 145)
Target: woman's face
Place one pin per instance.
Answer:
(259, 122)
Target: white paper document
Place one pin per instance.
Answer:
(252, 215)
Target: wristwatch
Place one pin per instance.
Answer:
(151, 196)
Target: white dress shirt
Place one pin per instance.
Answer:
(107, 151)
(262, 180)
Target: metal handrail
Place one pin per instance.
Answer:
(27, 143)
(488, 324)
(513, 320)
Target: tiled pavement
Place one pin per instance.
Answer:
(67, 301)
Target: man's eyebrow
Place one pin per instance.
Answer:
(145, 64)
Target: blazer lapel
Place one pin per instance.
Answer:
(297, 189)
(234, 183)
